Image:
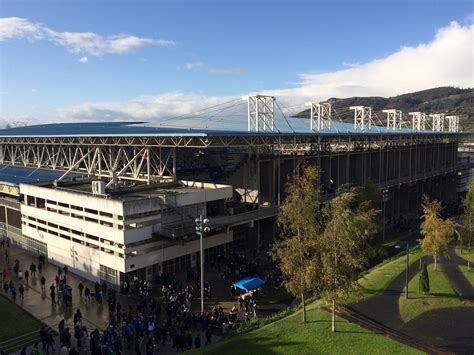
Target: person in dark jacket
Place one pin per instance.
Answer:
(197, 342)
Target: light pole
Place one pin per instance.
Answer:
(406, 270)
(201, 228)
(384, 199)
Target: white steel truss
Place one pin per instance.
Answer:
(153, 159)
(362, 117)
(320, 118)
(419, 120)
(125, 163)
(261, 116)
(453, 123)
(438, 122)
(394, 118)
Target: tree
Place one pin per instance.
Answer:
(424, 280)
(296, 251)
(468, 221)
(437, 232)
(343, 245)
(371, 195)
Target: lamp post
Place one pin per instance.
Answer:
(406, 270)
(201, 228)
(384, 199)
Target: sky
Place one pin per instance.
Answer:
(98, 60)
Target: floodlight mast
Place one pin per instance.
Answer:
(320, 116)
(362, 117)
(261, 117)
(453, 123)
(419, 120)
(437, 122)
(394, 118)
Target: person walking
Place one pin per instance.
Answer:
(20, 275)
(21, 289)
(208, 336)
(33, 269)
(49, 341)
(53, 296)
(40, 268)
(13, 292)
(43, 283)
(27, 276)
(87, 293)
(81, 288)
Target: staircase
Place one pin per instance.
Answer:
(350, 314)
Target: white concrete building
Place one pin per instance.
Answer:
(106, 236)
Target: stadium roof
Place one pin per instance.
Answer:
(15, 175)
(114, 129)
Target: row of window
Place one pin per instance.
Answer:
(40, 226)
(41, 203)
(48, 205)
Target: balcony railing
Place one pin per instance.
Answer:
(218, 223)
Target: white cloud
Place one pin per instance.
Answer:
(143, 107)
(75, 42)
(193, 65)
(212, 69)
(83, 60)
(445, 61)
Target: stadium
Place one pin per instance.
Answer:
(119, 199)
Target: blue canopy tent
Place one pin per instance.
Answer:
(249, 283)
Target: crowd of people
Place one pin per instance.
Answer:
(143, 315)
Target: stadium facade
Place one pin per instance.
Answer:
(112, 200)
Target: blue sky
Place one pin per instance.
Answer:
(215, 49)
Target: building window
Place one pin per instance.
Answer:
(88, 210)
(40, 202)
(108, 274)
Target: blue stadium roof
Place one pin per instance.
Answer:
(111, 129)
(15, 175)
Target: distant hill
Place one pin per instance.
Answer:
(449, 100)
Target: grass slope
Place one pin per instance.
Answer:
(290, 336)
(378, 278)
(441, 295)
(15, 321)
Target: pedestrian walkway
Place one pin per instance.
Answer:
(449, 329)
(38, 302)
(460, 283)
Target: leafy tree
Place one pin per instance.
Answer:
(371, 195)
(424, 280)
(343, 245)
(437, 232)
(468, 221)
(296, 251)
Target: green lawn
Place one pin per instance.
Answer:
(441, 295)
(290, 336)
(379, 277)
(15, 321)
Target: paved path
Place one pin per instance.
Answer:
(450, 329)
(384, 307)
(460, 283)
